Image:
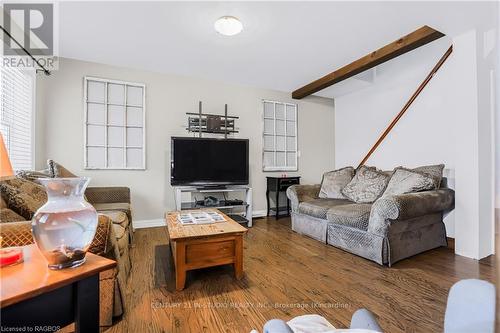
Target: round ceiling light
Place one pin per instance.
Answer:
(228, 26)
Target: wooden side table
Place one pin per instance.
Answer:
(34, 296)
(278, 185)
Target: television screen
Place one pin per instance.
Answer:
(204, 161)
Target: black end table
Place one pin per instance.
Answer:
(34, 298)
(278, 185)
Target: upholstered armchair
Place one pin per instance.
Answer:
(104, 244)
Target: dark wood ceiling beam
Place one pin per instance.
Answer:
(401, 46)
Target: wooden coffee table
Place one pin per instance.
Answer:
(206, 245)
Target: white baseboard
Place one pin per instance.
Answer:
(259, 213)
(139, 224)
(149, 223)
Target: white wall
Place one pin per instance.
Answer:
(448, 123)
(168, 98)
(420, 137)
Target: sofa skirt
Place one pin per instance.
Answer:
(405, 238)
(358, 242)
(309, 226)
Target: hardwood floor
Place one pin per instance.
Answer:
(287, 275)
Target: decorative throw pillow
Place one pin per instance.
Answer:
(407, 181)
(434, 171)
(57, 170)
(33, 175)
(8, 215)
(367, 185)
(22, 196)
(334, 181)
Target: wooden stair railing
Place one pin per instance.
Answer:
(408, 104)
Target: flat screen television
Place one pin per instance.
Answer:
(208, 161)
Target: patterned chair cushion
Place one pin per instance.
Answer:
(117, 217)
(121, 238)
(22, 196)
(407, 181)
(8, 215)
(100, 241)
(334, 181)
(353, 215)
(367, 185)
(3, 204)
(319, 207)
(16, 234)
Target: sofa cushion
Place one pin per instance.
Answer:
(122, 206)
(7, 215)
(407, 181)
(23, 196)
(119, 231)
(367, 185)
(319, 207)
(334, 181)
(434, 171)
(121, 238)
(117, 217)
(352, 215)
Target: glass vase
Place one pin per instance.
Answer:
(65, 226)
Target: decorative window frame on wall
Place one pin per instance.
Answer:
(106, 151)
(275, 144)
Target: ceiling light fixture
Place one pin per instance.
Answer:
(228, 26)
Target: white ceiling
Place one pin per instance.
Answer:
(283, 46)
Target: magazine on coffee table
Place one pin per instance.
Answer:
(201, 217)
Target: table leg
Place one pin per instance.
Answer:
(180, 265)
(267, 199)
(87, 305)
(238, 257)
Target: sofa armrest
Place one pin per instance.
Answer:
(97, 195)
(406, 206)
(100, 242)
(300, 193)
(19, 234)
(16, 234)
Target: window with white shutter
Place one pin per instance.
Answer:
(16, 115)
(279, 151)
(115, 132)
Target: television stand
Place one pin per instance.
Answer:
(227, 206)
(212, 187)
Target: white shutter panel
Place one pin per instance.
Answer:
(16, 115)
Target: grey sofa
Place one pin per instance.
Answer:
(390, 229)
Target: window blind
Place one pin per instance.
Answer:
(16, 115)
